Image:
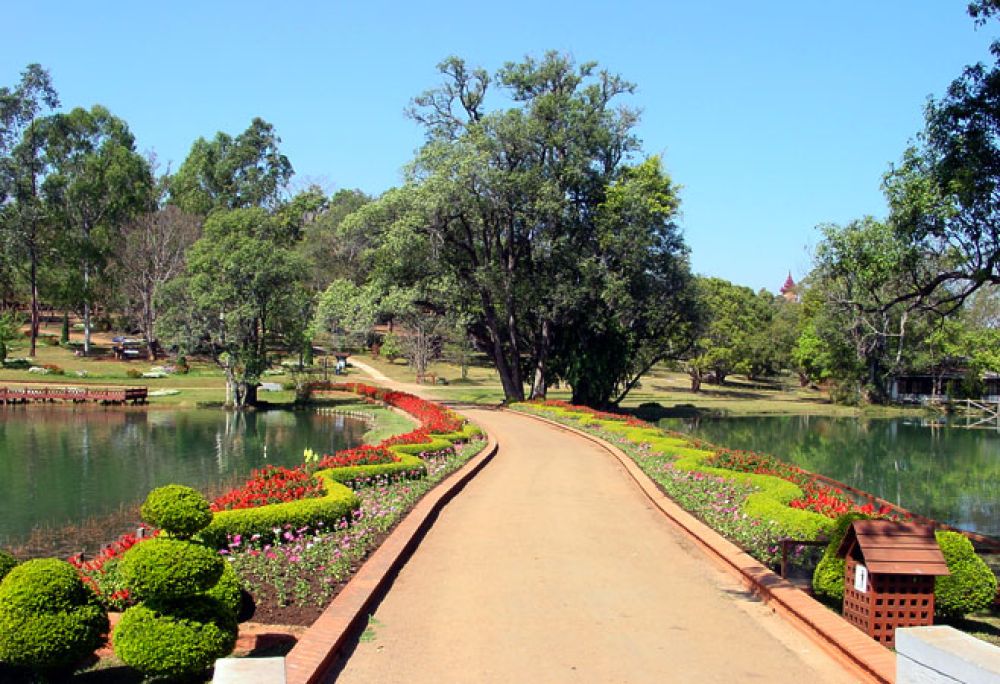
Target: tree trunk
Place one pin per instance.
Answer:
(510, 377)
(34, 304)
(86, 306)
(695, 374)
(539, 386)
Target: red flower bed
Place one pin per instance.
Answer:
(360, 456)
(93, 571)
(278, 485)
(433, 418)
(818, 497)
(270, 485)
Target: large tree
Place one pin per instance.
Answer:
(240, 291)
(96, 183)
(733, 316)
(510, 217)
(23, 225)
(855, 304)
(151, 252)
(945, 194)
(228, 172)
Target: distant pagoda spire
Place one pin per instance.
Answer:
(789, 284)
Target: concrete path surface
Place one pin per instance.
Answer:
(552, 567)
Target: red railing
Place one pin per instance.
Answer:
(107, 395)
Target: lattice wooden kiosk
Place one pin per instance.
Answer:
(889, 571)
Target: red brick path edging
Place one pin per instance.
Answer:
(851, 647)
(317, 649)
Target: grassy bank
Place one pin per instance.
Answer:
(669, 390)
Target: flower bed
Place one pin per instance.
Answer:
(337, 505)
(752, 499)
(294, 577)
(270, 485)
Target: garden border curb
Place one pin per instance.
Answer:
(317, 650)
(848, 645)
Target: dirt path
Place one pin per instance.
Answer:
(551, 567)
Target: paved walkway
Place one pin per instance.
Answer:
(551, 567)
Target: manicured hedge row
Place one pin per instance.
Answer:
(338, 502)
(407, 464)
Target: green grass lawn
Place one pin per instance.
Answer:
(670, 389)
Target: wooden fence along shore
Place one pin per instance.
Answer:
(105, 396)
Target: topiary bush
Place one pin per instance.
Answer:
(189, 597)
(176, 642)
(169, 569)
(970, 587)
(227, 592)
(49, 621)
(828, 577)
(177, 510)
(7, 563)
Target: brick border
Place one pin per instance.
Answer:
(848, 645)
(317, 649)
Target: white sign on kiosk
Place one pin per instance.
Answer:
(861, 578)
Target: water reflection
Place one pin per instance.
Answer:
(951, 474)
(61, 465)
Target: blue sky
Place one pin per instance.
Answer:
(774, 116)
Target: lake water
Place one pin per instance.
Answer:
(950, 474)
(62, 465)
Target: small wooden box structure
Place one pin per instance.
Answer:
(889, 571)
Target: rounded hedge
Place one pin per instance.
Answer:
(970, 587)
(177, 510)
(174, 644)
(43, 585)
(7, 563)
(169, 569)
(227, 591)
(828, 577)
(48, 620)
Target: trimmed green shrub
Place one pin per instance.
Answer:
(48, 620)
(7, 563)
(176, 644)
(177, 510)
(468, 431)
(769, 502)
(169, 569)
(338, 502)
(407, 463)
(44, 585)
(435, 444)
(970, 587)
(828, 577)
(227, 592)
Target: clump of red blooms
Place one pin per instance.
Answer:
(270, 485)
(278, 485)
(433, 418)
(818, 497)
(360, 456)
(91, 570)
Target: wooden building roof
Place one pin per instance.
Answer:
(895, 548)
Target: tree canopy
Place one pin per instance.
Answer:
(228, 172)
(530, 223)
